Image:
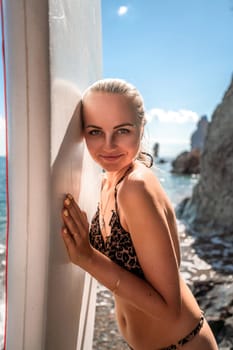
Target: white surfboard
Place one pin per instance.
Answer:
(52, 52)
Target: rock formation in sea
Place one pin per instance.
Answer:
(211, 205)
(188, 162)
(156, 150)
(198, 136)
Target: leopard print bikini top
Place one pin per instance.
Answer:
(118, 246)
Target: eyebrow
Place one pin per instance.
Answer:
(115, 127)
(124, 124)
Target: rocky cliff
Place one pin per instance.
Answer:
(211, 206)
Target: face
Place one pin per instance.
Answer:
(111, 129)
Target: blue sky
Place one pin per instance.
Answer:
(178, 53)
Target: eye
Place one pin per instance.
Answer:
(123, 131)
(95, 132)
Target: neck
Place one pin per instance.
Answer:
(111, 178)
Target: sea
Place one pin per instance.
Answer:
(177, 188)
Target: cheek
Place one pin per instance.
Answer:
(133, 144)
(137, 139)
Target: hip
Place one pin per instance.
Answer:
(143, 332)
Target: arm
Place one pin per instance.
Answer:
(148, 219)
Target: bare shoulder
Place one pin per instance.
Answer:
(138, 178)
(142, 184)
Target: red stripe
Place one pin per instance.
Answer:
(7, 163)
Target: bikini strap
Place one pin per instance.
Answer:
(119, 181)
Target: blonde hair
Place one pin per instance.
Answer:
(121, 87)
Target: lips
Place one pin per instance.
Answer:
(111, 157)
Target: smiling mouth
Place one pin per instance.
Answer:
(112, 157)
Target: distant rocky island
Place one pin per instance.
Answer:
(188, 162)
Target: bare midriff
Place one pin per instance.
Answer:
(143, 331)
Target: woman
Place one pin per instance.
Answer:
(132, 247)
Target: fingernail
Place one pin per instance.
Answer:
(69, 196)
(65, 212)
(67, 201)
(65, 230)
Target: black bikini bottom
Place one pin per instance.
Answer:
(187, 338)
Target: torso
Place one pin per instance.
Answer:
(140, 330)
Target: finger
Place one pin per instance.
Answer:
(69, 243)
(70, 224)
(68, 236)
(72, 206)
(76, 213)
(69, 202)
(85, 221)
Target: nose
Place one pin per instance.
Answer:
(110, 141)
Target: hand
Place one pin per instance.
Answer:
(75, 232)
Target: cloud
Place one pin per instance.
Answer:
(122, 10)
(178, 117)
(2, 136)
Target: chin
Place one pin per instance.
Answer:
(115, 167)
